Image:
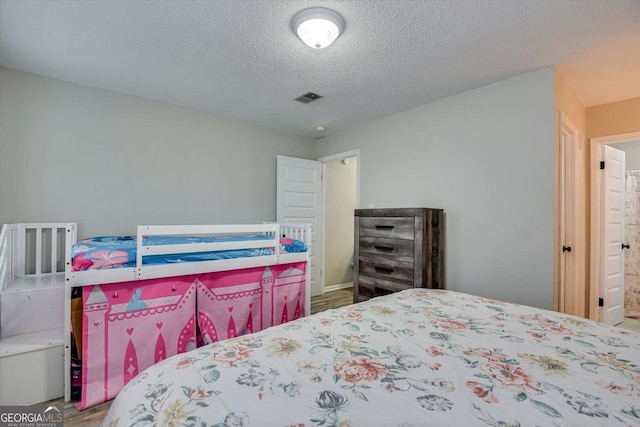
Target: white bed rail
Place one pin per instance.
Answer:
(33, 249)
(152, 271)
(144, 271)
(296, 231)
(218, 230)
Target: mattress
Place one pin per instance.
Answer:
(106, 252)
(415, 358)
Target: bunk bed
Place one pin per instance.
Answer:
(131, 302)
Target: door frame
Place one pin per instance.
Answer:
(595, 291)
(324, 160)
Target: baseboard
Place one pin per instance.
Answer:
(338, 286)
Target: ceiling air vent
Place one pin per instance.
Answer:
(308, 97)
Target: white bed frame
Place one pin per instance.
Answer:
(142, 272)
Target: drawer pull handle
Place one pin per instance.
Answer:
(384, 227)
(384, 248)
(386, 270)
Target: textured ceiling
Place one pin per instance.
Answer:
(240, 59)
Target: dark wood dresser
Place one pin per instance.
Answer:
(397, 249)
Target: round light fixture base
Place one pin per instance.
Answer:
(317, 27)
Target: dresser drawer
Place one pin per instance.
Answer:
(396, 249)
(365, 292)
(386, 269)
(387, 227)
(368, 286)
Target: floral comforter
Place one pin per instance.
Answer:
(415, 358)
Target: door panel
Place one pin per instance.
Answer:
(570, 296)
(612, 290)
(299, 200)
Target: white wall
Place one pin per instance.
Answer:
(486, 156)
(340, 201)
(110, 161)
(632, 154)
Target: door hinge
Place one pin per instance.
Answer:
(601, 165)
(600, 302)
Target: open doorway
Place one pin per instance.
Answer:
(340, 178)
(340, 189)
(632, 228)
(301, 194)
(615, 268)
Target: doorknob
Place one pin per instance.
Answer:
(566, 249)
(625, 246)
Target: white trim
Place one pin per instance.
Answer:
(595, 313)
(614, 139)
(340, 156)
(338, 286)
(328, 159)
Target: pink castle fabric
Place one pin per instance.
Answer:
(239, 302)
(130, 326)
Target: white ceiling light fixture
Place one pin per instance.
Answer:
(317, 27)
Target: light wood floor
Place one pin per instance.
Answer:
(93, 416)
(333, 299)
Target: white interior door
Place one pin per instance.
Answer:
(612, 283)
(572, 288)
(570, 295)
(299, 200)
